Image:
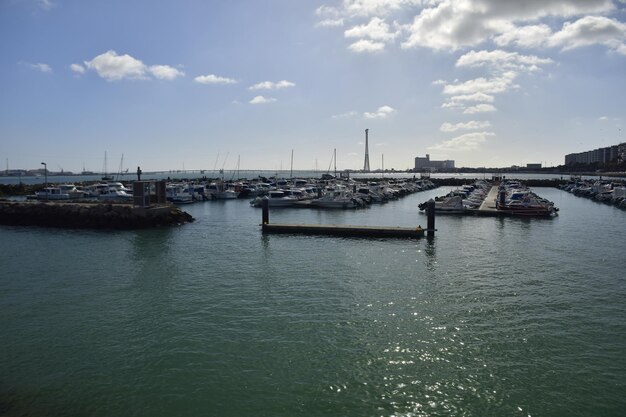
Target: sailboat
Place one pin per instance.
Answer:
(105, 176)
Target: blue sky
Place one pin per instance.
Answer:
(203, 84)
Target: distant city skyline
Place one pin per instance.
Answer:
(209, 85)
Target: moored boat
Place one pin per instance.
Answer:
(52, 193)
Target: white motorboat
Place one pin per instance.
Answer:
(114, 195)
(73, 191)
(178, 194)
(52, 193)
(448, 205)
(276, 198)
(336, 199)
(219, 191)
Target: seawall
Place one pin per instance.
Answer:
(90, 215)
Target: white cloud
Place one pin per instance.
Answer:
(214, 79)
(41, 67)
(483, 85)
(586, 31)
(376, 30)
(331, 16)
(382, 113)
(461, 101)
(479, 108)
(327, 11)
(269, 85)
(456, 24)
(113, 67)
(165, 72)
(366, 8)
(466, 142)
(473, 124)
(77, 68)
(330, 23)
(530, 36)
(453, 24)
(365, 45)
(500, 60)
(345, 115)
(591, 30)
(262, 100)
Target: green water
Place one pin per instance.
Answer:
(494, 317)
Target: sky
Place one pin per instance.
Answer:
(246, 84)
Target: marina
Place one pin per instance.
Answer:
(507, 198)
(348, 208)
(607, 191)
(217, 317)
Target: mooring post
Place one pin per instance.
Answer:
(265, 207)
(430, 211)
(502, 198)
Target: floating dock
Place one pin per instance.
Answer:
(343, 230)
(488, 206)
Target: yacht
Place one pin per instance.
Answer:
(52, 193)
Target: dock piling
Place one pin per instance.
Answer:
(265, 207)
(430, 211)
(502, 198)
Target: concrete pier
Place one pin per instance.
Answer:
(488, 205)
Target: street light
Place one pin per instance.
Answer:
(45, 171)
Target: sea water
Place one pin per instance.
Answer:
(492, 317)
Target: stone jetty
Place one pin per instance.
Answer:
(85, 215)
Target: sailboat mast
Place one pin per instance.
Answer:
(291, 170)
(215, 165)
(335, 159)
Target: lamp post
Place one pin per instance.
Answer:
(45, 172)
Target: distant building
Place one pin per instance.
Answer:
(426, 163)
(601, 155)
(533, 166)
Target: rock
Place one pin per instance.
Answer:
(90, 216)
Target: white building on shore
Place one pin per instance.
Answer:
(426, 163)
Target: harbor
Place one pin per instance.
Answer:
(348, 208)
(187, 318)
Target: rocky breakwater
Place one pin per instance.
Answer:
(90, 215)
